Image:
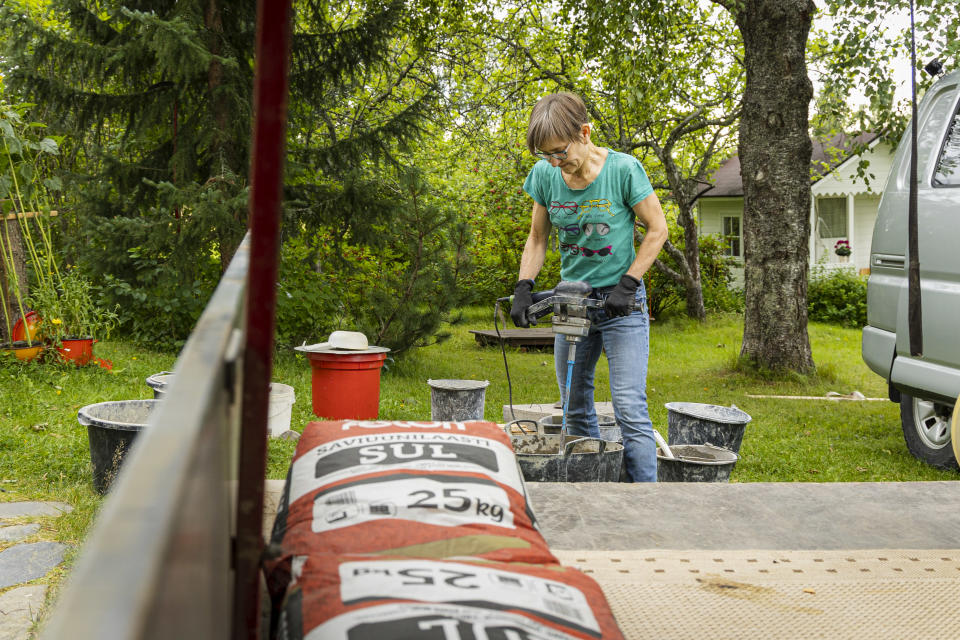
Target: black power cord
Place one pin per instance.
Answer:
(503, 350)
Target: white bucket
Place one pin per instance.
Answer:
(281, 406)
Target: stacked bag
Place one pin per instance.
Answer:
(390, 530)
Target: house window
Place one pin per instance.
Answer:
(732, 236)
(832, 217)
(948, 165)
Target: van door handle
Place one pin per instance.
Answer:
(889, 262)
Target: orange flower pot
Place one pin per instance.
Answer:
(31, 326)
(23, 351)
(76, 350)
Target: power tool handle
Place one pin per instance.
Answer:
(537, 296)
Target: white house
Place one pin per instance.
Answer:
(843, 206)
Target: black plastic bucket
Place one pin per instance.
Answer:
(609, 430)
(457, 400)
(695, 423)
(111, 429)
(696, 463)
(158, 382)
(580, 459)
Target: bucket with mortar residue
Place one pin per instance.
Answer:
(159, 382)
(545, 457)
(280, 408)
(457, 400)
(111, 429)
(696, 463)
(609, 430)
(695, 423)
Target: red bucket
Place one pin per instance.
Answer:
(76, 350)
(346, 386)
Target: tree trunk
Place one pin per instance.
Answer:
(774, 154)
(8, 316)
(691, 252)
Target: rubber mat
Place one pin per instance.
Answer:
(714, 595)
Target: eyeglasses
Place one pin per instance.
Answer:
(571, 229)
(602, 228)
(600, 252)
(574, 250)
(560, 155)
(566, 208)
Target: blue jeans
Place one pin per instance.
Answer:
(627, 343)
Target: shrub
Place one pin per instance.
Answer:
(397, 284)
(838, 296)
(715, 276)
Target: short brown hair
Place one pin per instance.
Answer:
(556, 116)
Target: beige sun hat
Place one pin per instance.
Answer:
(346, 340)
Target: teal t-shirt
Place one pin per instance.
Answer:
(594, 225)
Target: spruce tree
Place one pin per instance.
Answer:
(155, 97)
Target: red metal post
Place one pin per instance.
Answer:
(266, 170)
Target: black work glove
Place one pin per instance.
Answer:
(521, 300)
(621, 299)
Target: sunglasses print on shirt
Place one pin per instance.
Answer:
(602, 229)
(563, 208)
(575, 249)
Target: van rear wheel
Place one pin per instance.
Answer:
(926, 430)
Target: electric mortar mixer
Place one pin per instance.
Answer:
(570, 303)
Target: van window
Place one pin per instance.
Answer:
(948, 165)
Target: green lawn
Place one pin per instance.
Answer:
(45, 455)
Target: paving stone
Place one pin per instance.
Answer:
(24, 562)
(18, 609)
(27, 509)
(18, 532)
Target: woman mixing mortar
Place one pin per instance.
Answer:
(594, 197)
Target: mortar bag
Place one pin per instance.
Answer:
(382, 598)
(329, 453)
(463, 511)
(420, 514)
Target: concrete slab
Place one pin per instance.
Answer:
(25, 562)
(797, 516)
(538, 410)
(18, 532)
(30, 509)
(272, 493)
(18, 609)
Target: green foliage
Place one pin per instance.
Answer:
(498, 213)
(396, 286)
(866, 40)
(838, 296)
(664, 292)
(28, 184)
(70, 308)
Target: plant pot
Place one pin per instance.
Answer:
(76, 350)
(32, 325)
(22, 350)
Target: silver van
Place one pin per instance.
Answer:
(925, 387)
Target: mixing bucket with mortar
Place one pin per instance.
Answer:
(609, 430)
(551, 457)
(696, 423)
(695, 463)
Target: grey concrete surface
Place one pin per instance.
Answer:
(18, 532)
(32, 509)
(18, 609)
(537, 411)
(718, 516)
(26, 562)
